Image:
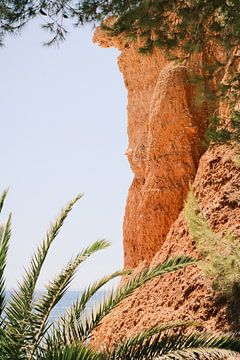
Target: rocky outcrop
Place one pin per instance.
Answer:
(165, 128)
(165, 125)
(186, 294)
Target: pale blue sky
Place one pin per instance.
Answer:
(63, 131)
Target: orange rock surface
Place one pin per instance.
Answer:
(165, 125)
(186, 294)
(165, 128)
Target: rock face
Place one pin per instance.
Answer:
(165, 128)
(186, 294)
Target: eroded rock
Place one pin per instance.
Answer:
(165, 128)
(186, 294)
(165, 125)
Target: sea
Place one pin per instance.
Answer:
(68, 299)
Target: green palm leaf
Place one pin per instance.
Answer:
(84, 326)
(4, 245)
(70, 352)
(166, 343)
(200, 354)
(132, 347)
(55, 291)
(2, 199)
(5, 234)
(24, 327)
(74, 315)
(19, 310)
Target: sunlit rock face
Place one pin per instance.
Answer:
(165, 125)
(186, 294)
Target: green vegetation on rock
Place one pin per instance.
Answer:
(220, 254)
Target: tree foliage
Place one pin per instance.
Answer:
(185, 25)
(189, 23)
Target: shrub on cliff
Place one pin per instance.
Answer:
(220, 254)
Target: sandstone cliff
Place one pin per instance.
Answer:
(165, 129)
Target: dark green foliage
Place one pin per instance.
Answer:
(168, 24)
(134, 17)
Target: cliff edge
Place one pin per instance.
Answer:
(166, 123)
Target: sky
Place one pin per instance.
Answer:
(63, 131)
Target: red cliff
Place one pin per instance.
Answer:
(166, 124)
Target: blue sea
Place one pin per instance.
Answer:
(63, 304)
(67, 300)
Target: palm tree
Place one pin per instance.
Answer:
(26, 332)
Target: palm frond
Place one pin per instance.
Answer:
(76, 312)
(4, 245)
(70, 352)
(2, 199)
(200, 354)
(5, 234)
(91, 290)
(55, 291)
(168, 342)
(133, 345)
(19, 309)
(24, 327)
(86, 324)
